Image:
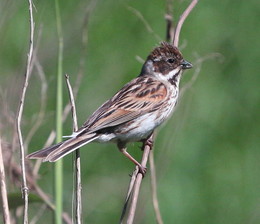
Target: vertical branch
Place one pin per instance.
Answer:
(58, 165)
(154, 189)
(20, 112)
(181, 21)
(169, 21)
(5, 207)
(78, 202)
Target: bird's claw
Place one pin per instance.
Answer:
(146, 142)
(142, 170)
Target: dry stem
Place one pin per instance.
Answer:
(181, 21)
(5, 207)
(19, 116)
(78, 203)
(154, 189)
(169, 21)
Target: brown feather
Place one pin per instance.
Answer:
(133, 100)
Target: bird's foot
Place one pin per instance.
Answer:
(142, 169)
(146, 142)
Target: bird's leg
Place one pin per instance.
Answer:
(148, 141)
(122, 148)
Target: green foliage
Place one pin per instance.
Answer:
(207, 155)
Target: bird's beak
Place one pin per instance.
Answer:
(186, 65)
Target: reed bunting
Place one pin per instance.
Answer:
(133, 113)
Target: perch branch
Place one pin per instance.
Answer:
(20, 112)
(138, 181)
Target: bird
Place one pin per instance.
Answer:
(134, 112)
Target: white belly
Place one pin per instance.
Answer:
(140, 129)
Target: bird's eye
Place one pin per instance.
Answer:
(170, 60)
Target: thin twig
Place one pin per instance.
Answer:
(78, 201)
(5, 207)
(138, 181)
(154, 189)
(19, 115)
(73, 107)
(169, 21)
(181, 21)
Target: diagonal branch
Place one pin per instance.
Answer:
(138, 181)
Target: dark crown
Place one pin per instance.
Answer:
(166, 50)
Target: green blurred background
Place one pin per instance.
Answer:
(207, 155)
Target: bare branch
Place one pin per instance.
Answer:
(154, 189)
(169, 21)
(181, 21)
(5, 207)
(78, 202)
(20, 112)
(73, 107)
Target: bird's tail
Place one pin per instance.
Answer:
(56, 152)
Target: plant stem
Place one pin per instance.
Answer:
(58, 165)
(20, 113)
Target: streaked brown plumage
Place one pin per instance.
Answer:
(135, 111)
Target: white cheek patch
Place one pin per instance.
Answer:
(172, 73)
(168, 76)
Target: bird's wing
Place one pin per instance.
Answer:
(141, 95)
